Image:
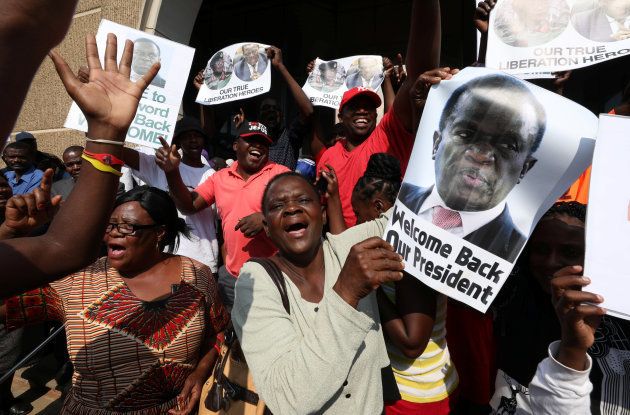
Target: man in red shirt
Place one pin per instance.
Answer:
(393, 135)
(237, 192)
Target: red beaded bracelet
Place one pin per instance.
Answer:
(105, 158)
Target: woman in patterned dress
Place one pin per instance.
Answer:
(141, 322)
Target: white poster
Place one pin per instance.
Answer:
(236, 72)
(608, 216)
(159, 106)
(330, 79)
(491, 155)
(527, 36)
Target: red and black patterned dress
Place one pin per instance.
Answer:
(129, 356)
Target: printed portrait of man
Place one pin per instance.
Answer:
(145, 53)
(219, 71)
(609, 21)
(252, 64)
(327, 76)
(525, 23)
(484, 146)
(368, 74)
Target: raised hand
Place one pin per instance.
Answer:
(482, 15)
(29, 211)
(578, 320)
(110, 99)
(420, 90)
(310, 66)
(167, 157)
(369, 264)
(332, 188)
(239, 118)
(275, 55)
(198, 80)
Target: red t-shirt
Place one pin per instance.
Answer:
(389, 136)
(236, 198)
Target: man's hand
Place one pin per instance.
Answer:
(482, 15)
(198, 80)
(310, 66)
(250, 225)
(26, 212)
(395, 72)
(578, 320)
(110, 99)
(420, 90)
(167, 157)
(239, 118)
(190, 394)
(369, 264)
(332, 189)
(275, 56)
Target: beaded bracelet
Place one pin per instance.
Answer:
(98, 165)
(105, 158)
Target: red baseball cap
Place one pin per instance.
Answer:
(359, 91)
(253, 128)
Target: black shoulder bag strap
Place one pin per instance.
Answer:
(276, 276)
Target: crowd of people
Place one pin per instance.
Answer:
(154, 278)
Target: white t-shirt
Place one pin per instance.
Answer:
(202, 245)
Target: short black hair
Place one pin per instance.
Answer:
(505, 83)
(382, 175)
(280, 176)
(73, 149)
(162, 210)
(574, 209)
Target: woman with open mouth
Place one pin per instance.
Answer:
(327, 353)
(141, 322)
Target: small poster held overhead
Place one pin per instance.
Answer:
(236, 72)
(491, 155)
(159, 105)
(608, 216)
(526, 36)
(330, 79)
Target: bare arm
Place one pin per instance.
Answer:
(109, 102)
(388, 92)
(168, 159)
(423, 53)
(28, 30)
(131, 158)
(334, 211)
(303, 103)
(481, 18)
(409, 323)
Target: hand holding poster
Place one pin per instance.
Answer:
(330, 79)
(554, 35)
(159, 106)
(492, 154)
(236, 72)
(608, 216)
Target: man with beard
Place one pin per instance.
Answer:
(393, 134)
(237, 192)
(287, 141)
(188, 137)
(22, 175)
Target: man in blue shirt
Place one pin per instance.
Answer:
(22, 175)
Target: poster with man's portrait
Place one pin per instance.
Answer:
(526, 36)
(492, 154)
(328, 80)
(608, 216)
(236, 72)
(159, 106)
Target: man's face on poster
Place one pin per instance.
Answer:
(617, 9)
(218, 66)
(485, 148)
(329, 75)
(250, 52)
(532, 13)
(367, 67)
(145, 54)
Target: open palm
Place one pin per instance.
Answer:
(110, 98)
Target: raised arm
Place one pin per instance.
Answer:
(303, 103)
(334, 211)
(109, 102)
(28, 30)
(480, 19)
(168, 159)
(423, 53)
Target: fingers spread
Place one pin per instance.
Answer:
(91, 52)
(69, 80)
(148, 77)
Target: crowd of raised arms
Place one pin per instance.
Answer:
(201, 251)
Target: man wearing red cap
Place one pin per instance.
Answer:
(393, 135)
(237, 191)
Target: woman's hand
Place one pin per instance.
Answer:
(167, 157)
(190, 394)
(110, 99)
(578, 320)
(369, 264)
(332, 189)
(26, 212)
